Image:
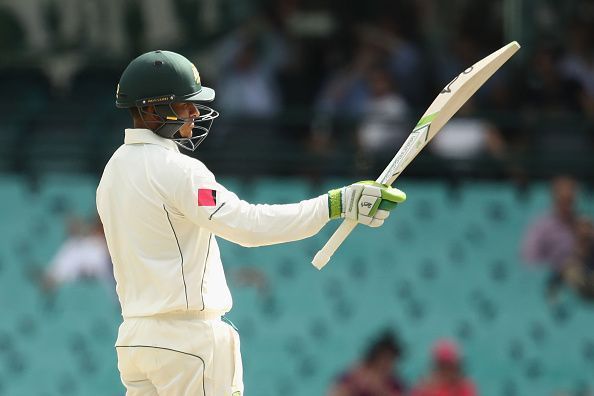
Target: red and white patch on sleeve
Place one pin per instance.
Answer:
(207, 197)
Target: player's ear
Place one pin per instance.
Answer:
(134, 113)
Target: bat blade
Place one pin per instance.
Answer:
(451, 98)
(444, 106)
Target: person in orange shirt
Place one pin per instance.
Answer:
(446, 377)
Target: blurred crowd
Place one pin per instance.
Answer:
(562, 241)
(317, 80)
(377, 373)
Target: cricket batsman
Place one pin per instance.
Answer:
(162, 211)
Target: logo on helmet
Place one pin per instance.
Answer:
(196, 74)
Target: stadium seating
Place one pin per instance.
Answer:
(445, 265)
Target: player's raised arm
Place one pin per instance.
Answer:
(219, 210)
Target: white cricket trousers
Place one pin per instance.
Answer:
(179, 355)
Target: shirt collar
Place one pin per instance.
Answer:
(146, 136)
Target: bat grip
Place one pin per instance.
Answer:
(323, 256)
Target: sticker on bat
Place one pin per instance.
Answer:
(413, 144)
(447, 88)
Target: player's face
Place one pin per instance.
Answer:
(186, 110)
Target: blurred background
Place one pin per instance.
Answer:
(481, 283)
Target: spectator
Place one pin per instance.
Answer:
(248, 86)
(542, 86)
(577, 64)
(251, 277)
(550, 240)
(468, 136)
(383, 126)
(402, 56)
(446, 378)
(374, 376)
(345, 94)
(578, 271)
(83, 255)
(248, 63)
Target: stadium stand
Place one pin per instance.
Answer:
(446, 265)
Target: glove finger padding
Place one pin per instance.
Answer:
(378, 219)
(381, 214)
(376, 223)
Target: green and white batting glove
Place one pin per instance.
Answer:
(367, 202)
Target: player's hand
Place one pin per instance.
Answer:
(366, 202)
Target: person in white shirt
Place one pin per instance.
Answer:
(83, 255)
(162, 211)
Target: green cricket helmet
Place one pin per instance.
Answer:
(160, 78)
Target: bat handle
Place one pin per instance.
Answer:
(323, 256)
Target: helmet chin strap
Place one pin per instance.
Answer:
(171, 122)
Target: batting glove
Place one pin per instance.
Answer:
(366, 202)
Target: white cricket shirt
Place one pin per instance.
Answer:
(161, 211)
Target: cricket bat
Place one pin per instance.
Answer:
(445, 105)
